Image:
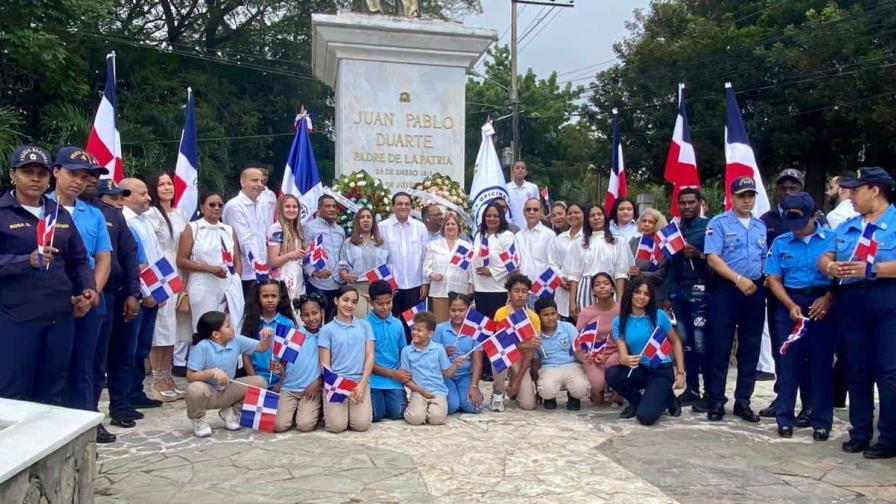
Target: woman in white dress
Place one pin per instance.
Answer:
(598, 251)
(361, 252)
(490, 273)
(443, 276)
(285, 247)
(558, 254)
(209, 250)
(171, 326)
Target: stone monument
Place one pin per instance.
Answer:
(400, 92)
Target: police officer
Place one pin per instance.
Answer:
(803, 298)
(735, 247)
(71, 172)
(39, 294)
(687, 276)
(122, 290)
(867, 311)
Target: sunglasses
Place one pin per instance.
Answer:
(215, 205)
(532, 209)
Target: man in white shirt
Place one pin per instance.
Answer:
(250, 216)
(519, 191)
(406, 239)
(533, 241)
(839, 200)
(325, 280)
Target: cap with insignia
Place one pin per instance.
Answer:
(868, 175)
(76, 158)
(796, 210)
(791, 173)
(30, 154)
(110, 188)
(742, 185)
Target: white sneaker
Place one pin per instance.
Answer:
(231, 422)
(201, 428)
(497, 403)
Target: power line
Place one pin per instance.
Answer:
(534, 23)
(536, 34)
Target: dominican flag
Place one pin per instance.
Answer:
(46, 229)
(301, 177)
(546, 283)
(408, 315)
(259, 409)
(501, 350)
(337, 388)
(382, 272)
(483, 250)
(648, 250)
(739, 158)
(546, 196)
(478, 326)
(104, 141)
(510, 259)
(186, 171)
(799, 330)
(671, 241)
(288, 342)
(160, 281)
(227, 257)
(462, 257)
(520, 325)
(658, 347)
(262, 272)
(616, 188)
(866, 248)
(681, 162)
(586, 340)
(316, 255)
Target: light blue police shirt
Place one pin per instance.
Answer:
(91, 225)
(794, 260)
(742, 248)
(847, 235)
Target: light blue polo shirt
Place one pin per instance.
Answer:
(346, 343)
(306, 368)
(91, 226)
(390, 339)
(261, 361)
(426, 366)
(638, 331)
(208, 355)
(848, 234)
(742, 248)
(794, 260)
(445, 335)
(555, 347)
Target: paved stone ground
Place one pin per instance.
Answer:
(540, 456)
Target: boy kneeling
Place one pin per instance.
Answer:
(560, 367)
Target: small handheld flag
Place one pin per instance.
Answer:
(520, 325)
(382, 272)
(510, 259)
(671, 241)
(546, 283)
(160, 281)
(288, 342)
(408, 315)
(483, 250)
(316, 255)
(799, 330)
(866, 248)
(46, 229)
(477, 326)
(586, 340)
(259, 409)
(658, 347)
(227, 257)
(501, 350)
(337, 388)
(462, 257)
(262, 272)
(648, 250)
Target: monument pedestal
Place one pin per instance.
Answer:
(400, 92)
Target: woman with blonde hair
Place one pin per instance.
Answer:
(363, 251)
(443, 276)
(285, 246)
(651, 221)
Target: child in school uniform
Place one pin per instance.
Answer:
(211, 368)
(267, 307)
(429, 366)
(300, 387)
(346, 347)
(387, 381)
(560, 361)
(463, 387)
(517, 383)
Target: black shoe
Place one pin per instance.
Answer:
(573, 404)
(701, 406)
(180, 371)
(550, 404)
(715, 414)
(820, 434)
(675, 408)
(879, 452)
(103, 436)
(688, 397)
(132, 414)
(146, 403)
(785, 432)
(854, 446)
(746, 413)
(763, 376)
(802, 419)
(630, 411)
(768, 412)
(123, 422)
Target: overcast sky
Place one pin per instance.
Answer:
(567, 39)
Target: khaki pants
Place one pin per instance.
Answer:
(347, 415)
(569, 377)
(525, 399)
(294, 406)
(201, 397)
(421, 410)
(363, 305)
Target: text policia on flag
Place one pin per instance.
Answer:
(488, 177)
(288, 342)
(681, 162)
(799, 330)
(337, 388)
(160, 281)
(301, 177)
(186, 171)
(104, 141)
(381, 272)
(259, 409)
(408, 315)
(546, 283)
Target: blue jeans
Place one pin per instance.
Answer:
(388, 403)
(144, 344)
(689, 305)
(656, 384)
(35, 360)
(458, 400)
(80, 388)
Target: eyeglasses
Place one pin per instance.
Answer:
(531, 209)
(215, 205)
